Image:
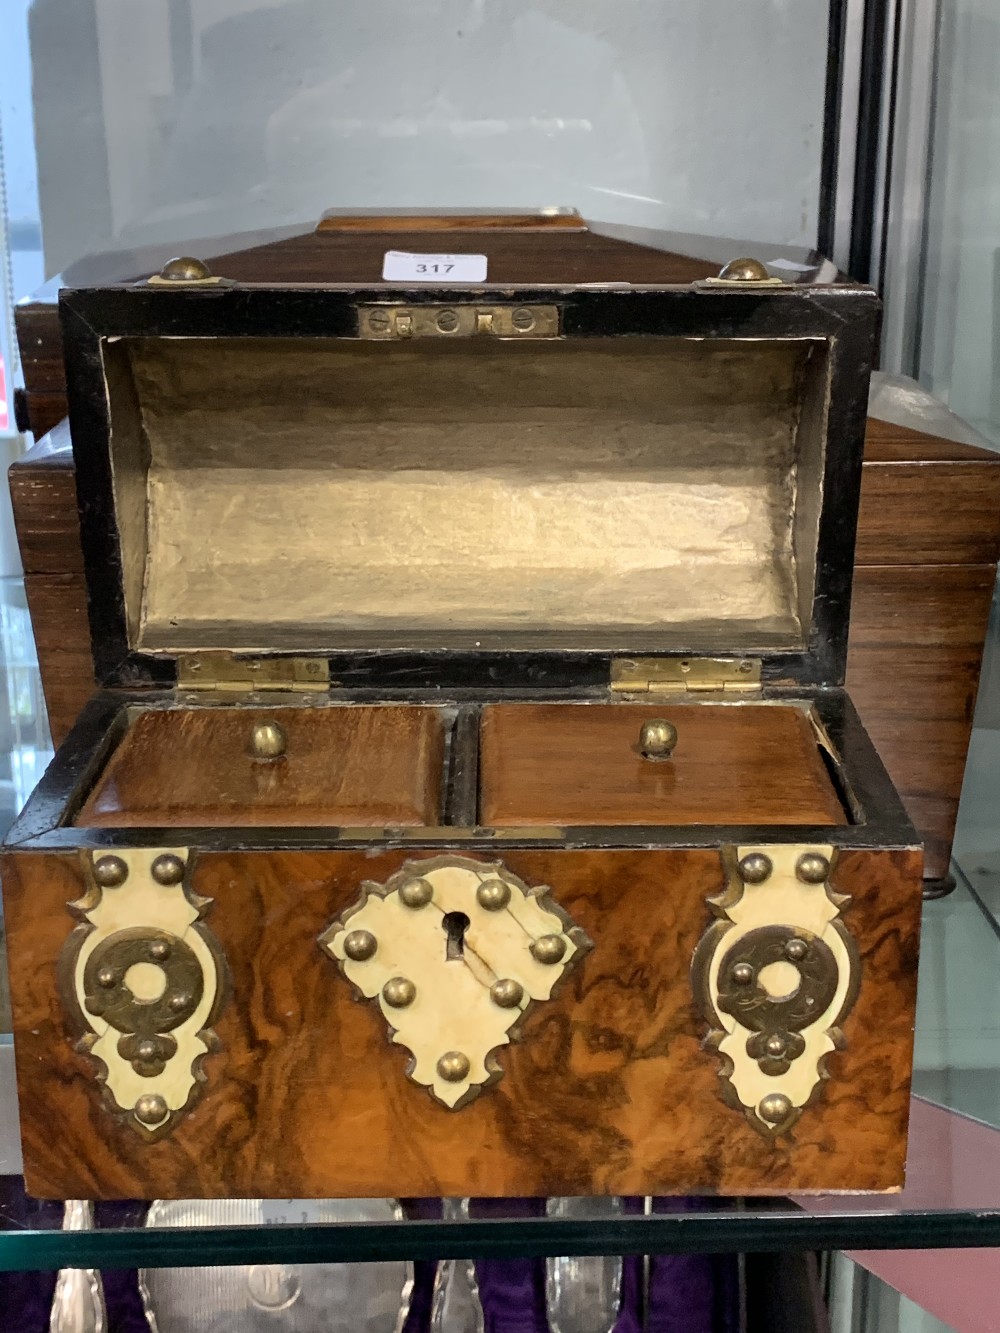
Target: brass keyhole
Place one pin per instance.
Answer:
(455, 925)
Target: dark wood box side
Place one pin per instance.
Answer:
(929, 534)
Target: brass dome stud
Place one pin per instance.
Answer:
(268, 741)
(180, 1001)
(774, 1108)
(744, 270)
(150, 1108)
(796, 950)
(107, 977)
(360, 945)
(110, 871)
(755, 868)
(776, 1047)
(167, 869)
(811, 868)
(146, 1050)
(416, 893)
(742, 974)
(493, 895)
(184, 268)
(399, 992)
(159, 950)
(549, 949)
(453, 1066)
(507, 993)
(657, 739)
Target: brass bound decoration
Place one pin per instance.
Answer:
(470, 668)
(455, 951)
(144, 980)
(777, 974)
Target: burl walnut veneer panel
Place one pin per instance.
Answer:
(353, 765)
(607, 1091)
(581, 764)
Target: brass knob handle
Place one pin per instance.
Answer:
(268, 741)
(657, 739)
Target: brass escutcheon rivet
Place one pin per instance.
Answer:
(399, 992)
(657, 739)
(796, 950)
(548, 949)
(268, 741)
(110, 871)
(774, 1108)
(360, 945)
(453, 1066)
(493, 895)
(416, 893)
(150, 1108)
(811, 868)
(507, 993)
(743, 974)
(755, 868)
(167, 869)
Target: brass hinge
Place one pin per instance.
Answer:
(684, 675)
(246, 675)
(458, 321)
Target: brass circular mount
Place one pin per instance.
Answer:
(507, 993)
(453, 1066)
(360, 945)
(493, 895)
(549, 949)
(657, 739)
(755, 868)
(744, 270)
(399, 992)
(110, 871)
(268, 741)
(150, 1109)
(183, 268)
(167, 869)
(811, 868)
(416, 893)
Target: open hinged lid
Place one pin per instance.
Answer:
(467, 485)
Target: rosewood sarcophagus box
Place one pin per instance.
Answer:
(471, 804)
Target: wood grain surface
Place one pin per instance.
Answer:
(913, 671)
(450, 222)
(608, 1090)
(581, 764)
(344, 765)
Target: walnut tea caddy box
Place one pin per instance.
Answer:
(471, 803)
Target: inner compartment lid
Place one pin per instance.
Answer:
(651, 492)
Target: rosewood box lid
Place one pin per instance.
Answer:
(514, 485)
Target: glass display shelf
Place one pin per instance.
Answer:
(952, 1196)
